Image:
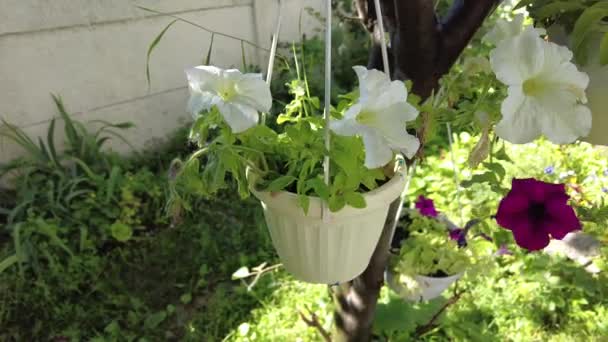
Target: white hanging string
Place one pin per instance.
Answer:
(273, 48)
(273, 51)
(326, 114)
(408, 174)
(328, 73)
(382, 37)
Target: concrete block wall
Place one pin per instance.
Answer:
(92, 53)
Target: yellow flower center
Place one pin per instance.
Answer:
(227, 92)
(532, 87)
(365, 118)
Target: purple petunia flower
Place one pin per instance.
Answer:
(604, 189)
(549, 170)
(536, 211)
(426, 207)
(459, 235)
(455, 234)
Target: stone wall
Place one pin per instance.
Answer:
(92, 53)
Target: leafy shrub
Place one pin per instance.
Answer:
(428, 250)
(60, 221)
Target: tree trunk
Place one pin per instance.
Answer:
(423, 48)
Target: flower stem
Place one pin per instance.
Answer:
(199, 153)
(263, 157)
(246, 161)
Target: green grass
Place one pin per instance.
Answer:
(184, 272)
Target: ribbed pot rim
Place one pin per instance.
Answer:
(288, 201)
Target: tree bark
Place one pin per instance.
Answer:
(423, 49)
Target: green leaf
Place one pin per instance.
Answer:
(74, 139)
(214, 174)
(8, 262)
(191, 178)
(241, 273)
(17, 135)
(339, 181)
(502, 155)
(283, 118)
(304, 202)
(112, 183)
(121, 232)
(489, 177)
(153, 45)
(19, 252)
(320, 188)
(45, 153)
(200, 128)
(584, 26)
(50, 141)
(355, 200)
(50, 231)
(185, 298)
(523, 3)
(155, 320)
(280, 183)
(346, 162)
(208, 59)
(604, 50)
(497, 168)
(113, 329)
(170, 309)
(336, 203)
(556, 8)
(391, 317)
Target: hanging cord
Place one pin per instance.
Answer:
(412, 171)
(409, 177)
(273, 51)
(275, 41)
(327, 113)
(383, 47)
(455, 170)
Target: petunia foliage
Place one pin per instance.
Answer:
(288, 155)
(430, 249)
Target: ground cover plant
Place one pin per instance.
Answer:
(90, 252)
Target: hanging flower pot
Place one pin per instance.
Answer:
(429, 253)
(419, 288)
(330, 249)
(323, 183)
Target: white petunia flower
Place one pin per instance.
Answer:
(508, 29)
(238, 97)
(545, 91)
(379, 117)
